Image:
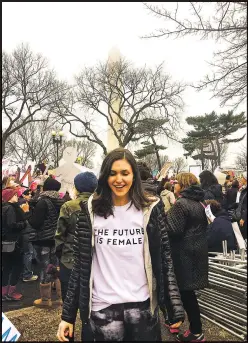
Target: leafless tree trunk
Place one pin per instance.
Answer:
(29, 90)
(138, 91)
(228, 25)
(179, 164)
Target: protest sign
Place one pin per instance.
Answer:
(9, 331)
(238, 235)
(164, 170)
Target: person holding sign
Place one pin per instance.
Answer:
(123, 268)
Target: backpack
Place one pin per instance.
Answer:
(166, 202)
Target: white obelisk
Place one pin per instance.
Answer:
(112, 142)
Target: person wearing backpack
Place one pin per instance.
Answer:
(84, 185)
(167, 196)
(44, 221)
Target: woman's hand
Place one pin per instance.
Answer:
(63, 330)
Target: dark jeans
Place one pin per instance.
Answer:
(46, 255)
(11, 267)
(126, 322)
(192, 309)
(28, 255)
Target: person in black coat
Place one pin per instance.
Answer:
(242, 207)
(13, 225)
(136, 279)
(44, 221)
(231, 195)
(212, 189)
(220, 229)
(187, 229)
(148, 183)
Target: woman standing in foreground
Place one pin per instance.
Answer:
(123, 267)
(187, 229)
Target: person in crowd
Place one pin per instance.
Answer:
(13, 225)
(167, 196)
(121, 233)
(25, 197)
(84, 185)
(66, 196)
(44, 221)
(186, 224)
(146, 178)
(231, 195)
(4, 181)
(228, 183)
(220, 229)
(211, 187)
(241, 211)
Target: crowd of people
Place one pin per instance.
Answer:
(122, 248)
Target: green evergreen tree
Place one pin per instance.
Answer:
(211, 133)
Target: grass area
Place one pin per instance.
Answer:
(41, 325)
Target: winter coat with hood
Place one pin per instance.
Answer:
(45, 216)
(161, 279)
(66, 227)
(214, 192)
(186, 225)
(221, 230)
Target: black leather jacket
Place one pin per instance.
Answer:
(78, 294)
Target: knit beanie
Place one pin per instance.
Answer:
(8, 194)
(51, 185)
(85, 182)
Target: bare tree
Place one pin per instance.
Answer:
(179, 164)
(241, 159)
(29, 90)
(137, 90)
(228, 24)
(33, 141)
(152, 162)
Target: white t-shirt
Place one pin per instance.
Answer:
(118, 261)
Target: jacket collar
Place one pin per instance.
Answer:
(146, 211)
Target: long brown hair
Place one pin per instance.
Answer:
(102, 203)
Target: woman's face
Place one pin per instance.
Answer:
(177, 189)
(120, 181)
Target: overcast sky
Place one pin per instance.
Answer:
(74, 35)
